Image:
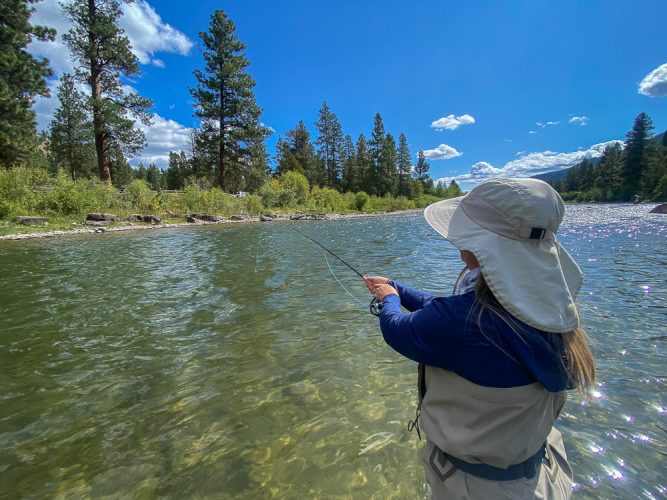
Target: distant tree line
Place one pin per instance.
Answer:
(93, 130)
(636, 169)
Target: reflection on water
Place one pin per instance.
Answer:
(226, 361)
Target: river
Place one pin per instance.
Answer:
(227, 362)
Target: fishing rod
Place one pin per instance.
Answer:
(375, 306)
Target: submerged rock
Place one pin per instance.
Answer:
(660, 209)
(30, 220)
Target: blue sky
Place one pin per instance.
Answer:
(517, 87)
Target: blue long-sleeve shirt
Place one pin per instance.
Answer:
(444, 332)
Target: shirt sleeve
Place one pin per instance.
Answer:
(411, 298)
(419, 335)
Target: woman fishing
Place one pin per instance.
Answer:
(495, 358)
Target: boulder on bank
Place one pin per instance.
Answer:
(265, 218)
(31, 220)
(241, 217)
(136, 218)
(660, 209)
(208, 217)
(151, 219)
(308, 217)
(94, 216)
(96, 223)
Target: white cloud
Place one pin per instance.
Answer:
(162, 136)
(530, 164)
(452, 122)
(547, 124)
(147, 32)
(581, 120)
(508, 140)
(442, 152)
(519, 153)
(532, 132)
(655, 83)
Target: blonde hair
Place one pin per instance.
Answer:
(578, 361)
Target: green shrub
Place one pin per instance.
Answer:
(326, 199)
(361, 200)
(295, 188)
(271, 193)
(253, 204)
(140, 196)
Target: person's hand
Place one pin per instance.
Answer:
(375, 280)
(379, 287)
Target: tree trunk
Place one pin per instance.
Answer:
(221, 159)
(95, 90)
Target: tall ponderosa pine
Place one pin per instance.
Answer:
(637, 153)
(300, 144)
(104, 56)
(421, 168)
(388, 175)
(225, 102)
(404, 166)
(330, 144)
(364, 164)
(71, 132)
(375, 146)
(350, 181)
(22, 79)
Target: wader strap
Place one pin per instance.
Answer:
(526, 469)
(421, 392)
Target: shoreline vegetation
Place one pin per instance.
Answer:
(35, 203)
(126, 225)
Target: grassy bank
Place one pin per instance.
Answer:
(65, 202)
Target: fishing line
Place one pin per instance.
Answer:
(342, 286)
(375, 306)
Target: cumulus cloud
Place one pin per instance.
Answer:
(162, 136)
(530, 164)
(147, 32)
(532, 132)
(655, 83)
(452, 122)
(442, 152)
(581, 120)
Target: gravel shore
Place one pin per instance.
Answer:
(226, 220)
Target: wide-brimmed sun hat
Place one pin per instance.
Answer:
(510, 226)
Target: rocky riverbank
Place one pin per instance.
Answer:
(196, 220)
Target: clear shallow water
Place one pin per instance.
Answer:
(227, 362)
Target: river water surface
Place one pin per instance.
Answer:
(227, 362)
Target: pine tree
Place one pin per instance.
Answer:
(330, 144)
(637, 151)
(122, 172)
(22, 79)
(404, 166)
(375, 146)
(364, 165)
(71, 132)
(225, 102)
(388, 176)
(103, 52)
(178, 171)
(350, 181)
(298, 153)
(421, 168)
